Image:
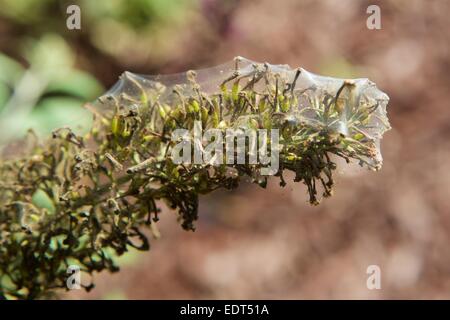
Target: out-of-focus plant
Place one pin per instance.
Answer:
(79, 200)
(133, 32)
(41, 95)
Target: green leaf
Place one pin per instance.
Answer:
(78, 84)
(10, 69)
(42, 200)
(4, 95)
(54, 113)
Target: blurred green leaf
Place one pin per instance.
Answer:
(4, 95)
(25, 11)
(54, 113)
(50, 56)
(10, 69)
(78, 84)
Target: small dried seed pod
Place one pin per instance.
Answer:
(116, 164)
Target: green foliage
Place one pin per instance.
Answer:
(41, 95)
(132, 31)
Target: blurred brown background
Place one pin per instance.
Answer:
(256, 243)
